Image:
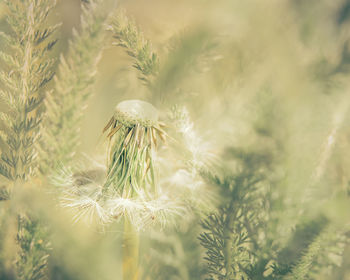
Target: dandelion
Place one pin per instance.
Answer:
(129, 187)
(133, 133)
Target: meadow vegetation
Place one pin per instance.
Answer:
(174, 139)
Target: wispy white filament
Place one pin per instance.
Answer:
(338, 120)
(90, 204)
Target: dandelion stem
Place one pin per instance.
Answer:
(130, 251)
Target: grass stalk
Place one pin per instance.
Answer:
(130, 251)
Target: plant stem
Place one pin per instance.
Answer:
(228, 242)
(130, 251)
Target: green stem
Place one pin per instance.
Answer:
(228, 242)
(130, 251)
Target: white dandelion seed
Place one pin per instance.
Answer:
(128, 188)
(163, 211)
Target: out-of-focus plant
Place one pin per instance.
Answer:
(130, 189)
(129, 37)
(231, 236)
(267, 90)
(74, 85)
(27, 69)
(249, 237)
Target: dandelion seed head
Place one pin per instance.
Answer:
(133, 134)
(85, 208)
(119, 206)
(127, 187)
(133, 112)
(163, 211)
(144, 213)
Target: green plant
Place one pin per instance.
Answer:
(32, 238)
(27, 70)
(227, 159)
(258, 232)
(74, 86)
(129, 37)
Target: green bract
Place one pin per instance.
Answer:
(132, 132)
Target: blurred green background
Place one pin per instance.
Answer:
(248, 72)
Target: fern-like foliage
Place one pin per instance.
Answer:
(236, 236)
(302, 269)
(34, 249)
(240, 244)
(230, 234)
(4, 193)
(320, 258)
(128, 36)
(250, 235)
(73, 85)
(297, 256)
(26, 69)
